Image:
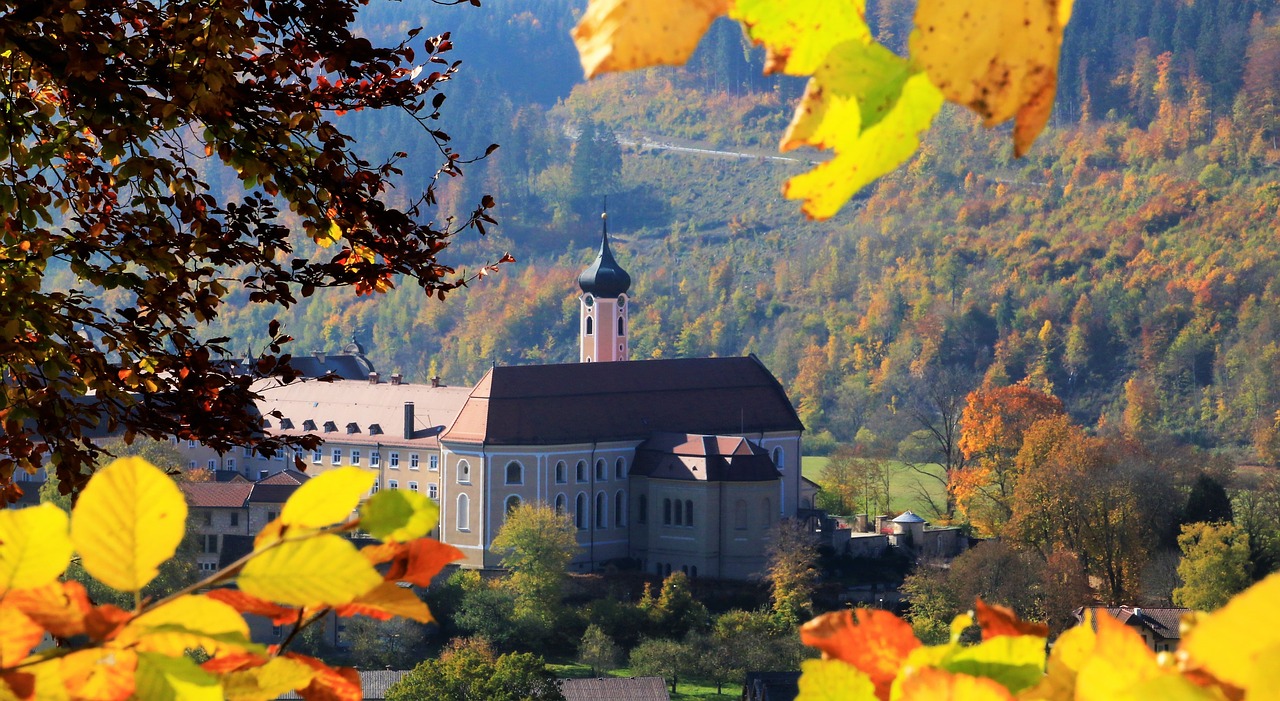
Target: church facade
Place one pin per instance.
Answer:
(681, 464)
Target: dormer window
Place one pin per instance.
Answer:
(330, 427)
(266, 423)
(353, 427)
(375, 430)
(286, 424)
(308, 425)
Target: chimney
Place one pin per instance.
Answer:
(373, 378)
(435, 381)
(395, 378)
(408, 417)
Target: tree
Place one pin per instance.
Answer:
(1214, 566)
(660, 657)
(468, 669)
(537, 545)
(791, 571)
(393, 644)
(675, 612)
(1208, 502)
(853, 483)
(597, 650)
(938, 404)
(128, 113)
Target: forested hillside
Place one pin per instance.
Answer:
(1128, 264)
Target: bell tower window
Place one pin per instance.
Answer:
(589, 323)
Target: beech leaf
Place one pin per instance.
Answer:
(622, 35)
(323, 570)
(34, 546)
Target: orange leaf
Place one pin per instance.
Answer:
(938, 685)
(20, 684)
(425, 558)
(18, 634)
(875, 642)
(384, 552)
(330, 684)
(103, 622)
(996, 620)
(386, 600)
(59, 607)
(245, 603)
(233, 662)
(100, 674)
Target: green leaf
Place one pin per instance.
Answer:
(800, 34)
(163, 678)
(1015, 661)
(393, 514)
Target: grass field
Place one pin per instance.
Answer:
(685, 691)
(904, 484)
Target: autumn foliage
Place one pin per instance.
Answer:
(130, 519)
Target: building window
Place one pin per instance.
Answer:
(777, 458)
(433, 491)
(276, 631)
(515, 473)
(622, 328)
(229, 464)
(642, 512)
(589, 326)
(433, 462)
(247, 452)
(413, 461)
(619, 499)
(393, 484)
(561, 503)
(600, 475)
(212, 464)
(580, 511)
(688, 513)
(208, 567)
(513, 503)
(666, 512)
(297, 455)
(191, 465)
(337, 456)
(375, 459)
(601, 520)
(272, 515)
(262, 474)
(740, 515)
(279, 456)
(580, 471)
(208, 518)
(766, 507)
(677, 513)
(394, 459)
(413, 486)
(561, 469)
(235, 519)
(210, 544)
(355, 457)
(619, 468)
(317, 456)
(374, 490)
(464, 472)
(191, 444)
(464, 518)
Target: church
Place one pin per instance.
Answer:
(666, 465)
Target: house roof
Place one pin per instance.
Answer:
(264, 493)
(683, 456)
(629, 400)
(1165, 622)
(373, 683)
(350, 411)
(286, 476)
(616, 689)
(908, 517)
(217, 495)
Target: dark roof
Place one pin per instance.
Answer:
(771, 686)
(373, 684)
(604, 277)
(1165, 622)
(347, 365)
(234, 547)
(683, 456)
(631, 400)
(264, 493)
(228, 476)
(615, 689)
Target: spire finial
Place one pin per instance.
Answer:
(604, 218)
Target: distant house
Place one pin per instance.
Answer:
(373, 684)
(771, 686)
(615, 689)
(1159, 627)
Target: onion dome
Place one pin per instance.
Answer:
(604, 277)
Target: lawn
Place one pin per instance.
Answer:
(686, 690)
(903, 484)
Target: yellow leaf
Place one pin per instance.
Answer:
(34, 547)
(130, 519)
(1240, 641)
(833, 680)
(1120, 663)
(100, 674)
(323, 570)
(998, 58)
(188, 622)
(331, 236)
(621, 35)
(394, 514)
(938, 685)
(958, 626)
(50, 683)
(1070, 651)
(799, 34)
(18, 634)
(386, 600)
(278, 676)
(327, 498)
(176, 678)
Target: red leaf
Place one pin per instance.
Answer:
(875, 642)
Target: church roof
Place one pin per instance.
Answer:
(604, 277)
(682, 456)
(629, 400)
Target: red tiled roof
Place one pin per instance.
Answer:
(681, 456)
(286, 476)
(217, 495)
(586, 402)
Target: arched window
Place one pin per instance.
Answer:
(561, 503)
(688, 513)
(512, 503)
(580, 471)
(619, 511)
(464, 512)
(777, 458)
(600, 474)
(679, 513)
(693, 571)
(515, 473)
(560, 472)
(464, 472)
(766, 506)
(622, 327)
(601, 519)
(589, 326)
(619, 468)
(642, 510)
(666, 512)
(580, 511)
(685, 570)
(740, 515)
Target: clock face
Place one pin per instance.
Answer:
(622, 301)
(589, 300)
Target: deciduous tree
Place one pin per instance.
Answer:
(792, 569)
(1214, 566)
(537, 545)
(468, 669)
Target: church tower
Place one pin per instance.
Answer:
(603, 326)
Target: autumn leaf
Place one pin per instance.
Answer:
(398, 515)
(267, 681)
(939, 685)
(130, 518)
(321, 570)
(242, 602)
(622, 35)
(1070, 652)
(1000, 59)
(800, 34)
(329, 684)
(386, 600)
(100, 674)
(421, 560)
(59, 608)
(34, 546)
(998, 620)
(1240, 642)
(327, 498)
(188, 622)
(874, 642)
(178, 678)
(18, 634)
(833, 680)
(1120, 662)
